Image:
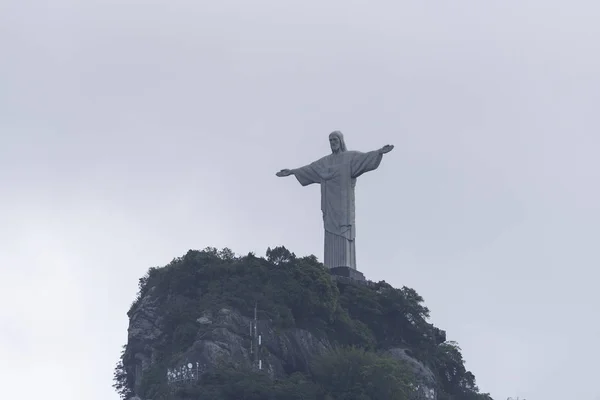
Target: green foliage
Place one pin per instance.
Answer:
(279, 255)
(153, 383)
(121, 383)
(291, 295)
(347, 331)
(144, 287)
(227, 383)
(355, 374)
(226, 254)
(455, 381)
(295, 292)
(342, 374)
(395, 317)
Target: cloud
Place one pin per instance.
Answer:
(130, 133)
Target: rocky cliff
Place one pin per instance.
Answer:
(278, 317)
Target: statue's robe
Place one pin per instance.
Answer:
(337, 173)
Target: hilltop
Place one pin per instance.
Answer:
(321, 337)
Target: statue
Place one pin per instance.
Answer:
(337, 173)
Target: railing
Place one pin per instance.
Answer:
(185, 373)
(422, 392)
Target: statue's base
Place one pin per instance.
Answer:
(347, 272)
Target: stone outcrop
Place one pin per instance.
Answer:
(224, 336)
(196, 316)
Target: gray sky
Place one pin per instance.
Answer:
(133, 131)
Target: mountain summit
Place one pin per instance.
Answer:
(213, 325)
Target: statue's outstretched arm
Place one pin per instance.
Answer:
(285, 172)
(386, 149)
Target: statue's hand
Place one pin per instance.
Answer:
(386, 149)
(284, 172)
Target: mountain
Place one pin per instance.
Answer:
(213, 325)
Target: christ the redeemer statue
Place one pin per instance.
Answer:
(337, 173)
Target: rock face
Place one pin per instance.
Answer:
(424, 374)
(197, 315)
(226, 336)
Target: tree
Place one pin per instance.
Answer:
(279, 255)
(121, 383)
(226, 254)
(356, 374)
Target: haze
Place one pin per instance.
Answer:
(131, 132)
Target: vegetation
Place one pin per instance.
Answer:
(343, 374)
(361, 320)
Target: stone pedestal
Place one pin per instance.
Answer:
(347, 272)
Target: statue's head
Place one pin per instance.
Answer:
(336, 141)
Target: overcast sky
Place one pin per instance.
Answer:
(133, 131)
